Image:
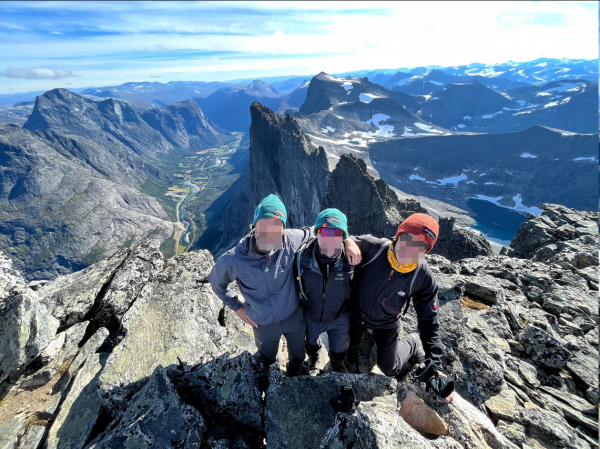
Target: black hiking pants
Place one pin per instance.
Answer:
(391, 352)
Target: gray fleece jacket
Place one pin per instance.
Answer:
(266, 281)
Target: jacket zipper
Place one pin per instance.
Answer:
(324, 292)
(378, 291)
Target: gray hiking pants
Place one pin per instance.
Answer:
(293, 328)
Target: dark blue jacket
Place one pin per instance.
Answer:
(325, 299)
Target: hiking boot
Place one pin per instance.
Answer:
(338, 367)
(336, 359)
(295, 368)
(312, 352)
(351, 361)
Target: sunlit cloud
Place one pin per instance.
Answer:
(37, 74)
(107, 43)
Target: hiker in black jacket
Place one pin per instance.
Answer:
(324, 276)
(392, 272)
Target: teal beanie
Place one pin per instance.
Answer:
(332, 218)
(271, 207)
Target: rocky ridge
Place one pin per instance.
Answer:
(137, 350)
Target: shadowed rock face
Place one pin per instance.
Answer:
(178, 371)
(370, 205)
(284, 162)
(455, 243)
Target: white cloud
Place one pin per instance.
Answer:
(290, 37)
(37, 74)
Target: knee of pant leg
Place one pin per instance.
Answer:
(387, 370)
(339, 342)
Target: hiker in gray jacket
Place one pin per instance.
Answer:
(262, 265)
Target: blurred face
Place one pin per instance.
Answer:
(330, 241)
(269, 234)
(410, 248)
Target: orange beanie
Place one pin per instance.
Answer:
(421, 224)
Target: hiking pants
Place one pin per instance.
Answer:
(391, 352)
(337, 332)
(293, 328)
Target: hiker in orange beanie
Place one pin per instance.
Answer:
(390, 274)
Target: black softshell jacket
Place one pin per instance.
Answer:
(381, 293)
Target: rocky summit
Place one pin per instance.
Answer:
(137, 351)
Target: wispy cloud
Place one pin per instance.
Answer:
(110, 42)
(37, 74)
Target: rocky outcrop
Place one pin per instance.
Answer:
(455, 243)
(559, 235)
(179, 370)
(26, 328)
(370, 205)
(283, 161)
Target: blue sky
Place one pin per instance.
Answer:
(79, 44)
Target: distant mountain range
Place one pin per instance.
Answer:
(229, 107)
(82, 175)
(83, 178)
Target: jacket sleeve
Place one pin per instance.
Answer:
(222, 274)
(426, 306)
(364, 242)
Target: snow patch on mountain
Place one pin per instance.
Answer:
(367, 98)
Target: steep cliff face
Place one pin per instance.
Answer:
(370, 205)
(284, 162)
(137, 348)
(111, 123)
(184, 125)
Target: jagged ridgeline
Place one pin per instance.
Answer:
(136, 351)
(84, 178)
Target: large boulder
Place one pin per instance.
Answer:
(298, 411)
(557, 223)
(104, 291)
(174, 321)
(543, 348)
(456, 243)
(155, 417)
(26, 329)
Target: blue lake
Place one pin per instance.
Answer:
(498, 224)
